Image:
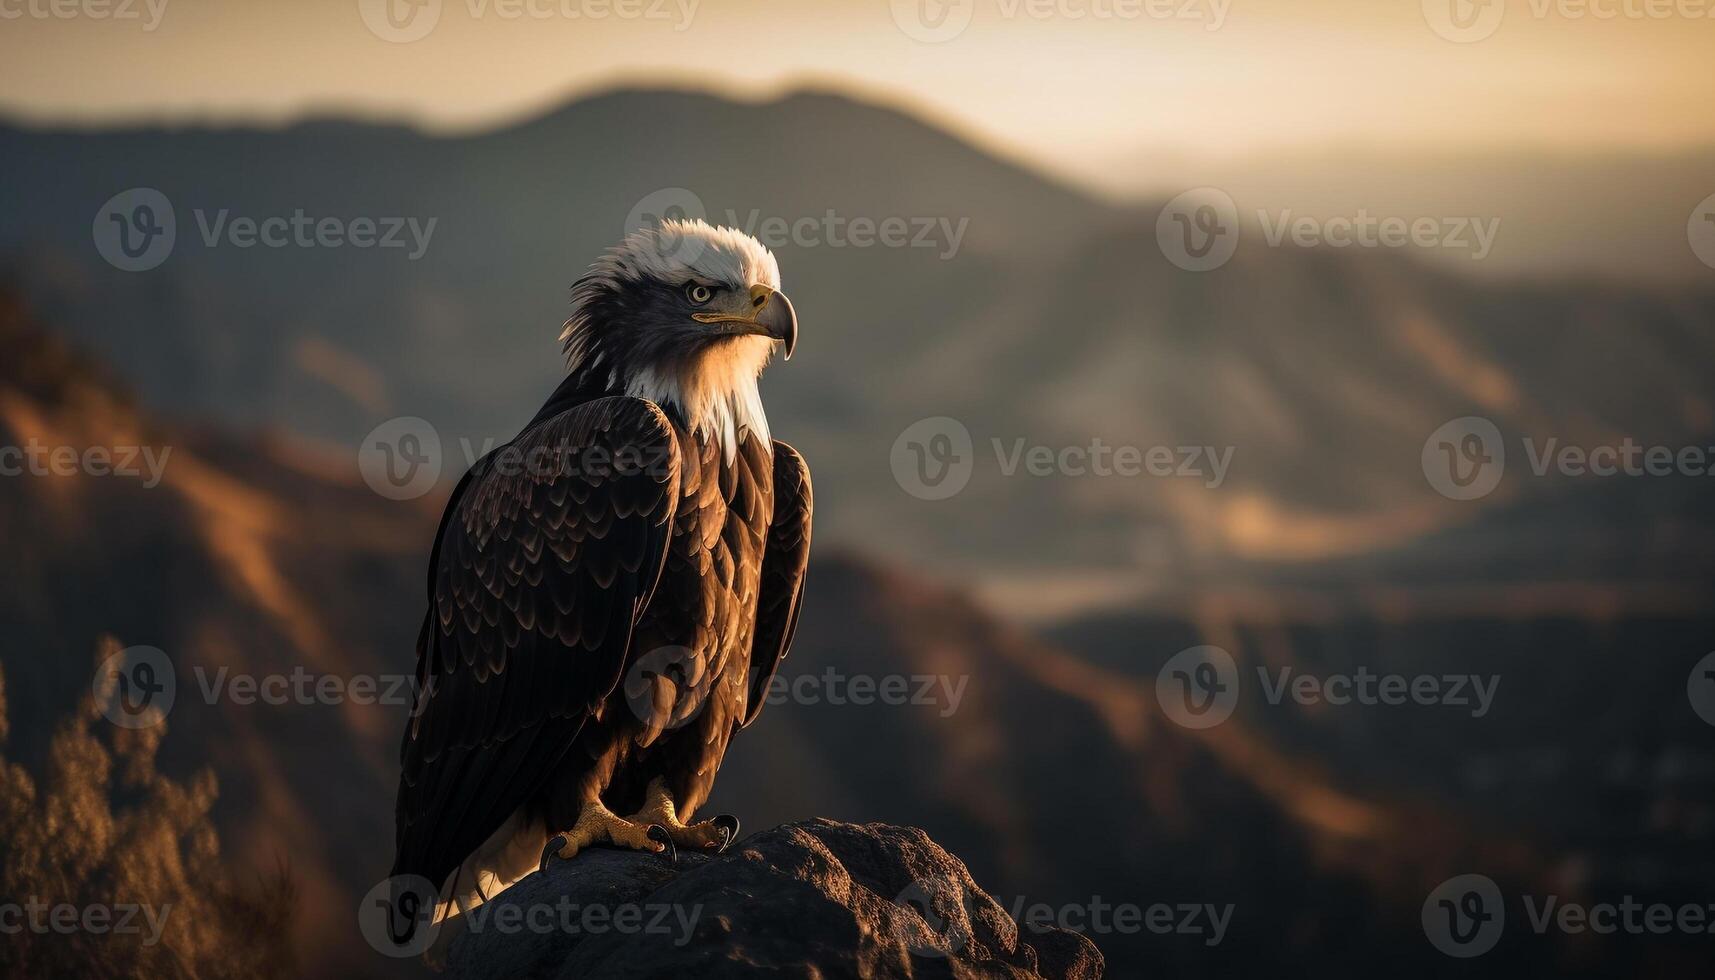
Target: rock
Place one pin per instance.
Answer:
(812, 899)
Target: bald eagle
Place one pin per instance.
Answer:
(611, 592)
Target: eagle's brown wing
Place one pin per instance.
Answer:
(548, 551)
(784, 561)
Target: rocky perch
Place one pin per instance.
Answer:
(812, 899)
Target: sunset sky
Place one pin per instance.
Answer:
(1077, 86)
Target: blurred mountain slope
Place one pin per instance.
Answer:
(1053, 775)
(1056, 321)
(1615, 214)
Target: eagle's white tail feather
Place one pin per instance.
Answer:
(509, 854)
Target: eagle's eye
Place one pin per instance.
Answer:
(699, 293)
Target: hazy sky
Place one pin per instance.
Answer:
(1078, 85)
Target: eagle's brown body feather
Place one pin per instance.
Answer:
(608, 597)
(686, 688)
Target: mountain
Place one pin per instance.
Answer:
(1611, 214)
(1055, 322)
(246, 559)
(1305, 836)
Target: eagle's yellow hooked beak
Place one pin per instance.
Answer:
(770, 314)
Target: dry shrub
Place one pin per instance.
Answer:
(102, 828)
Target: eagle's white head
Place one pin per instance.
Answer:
(684, 314)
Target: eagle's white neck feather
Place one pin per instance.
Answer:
(718, 397)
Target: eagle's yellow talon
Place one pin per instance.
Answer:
(708, 835)
(598, 825)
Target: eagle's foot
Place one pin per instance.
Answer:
(707, 836)
(727, 825)
(659, 834)
(598, 825)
